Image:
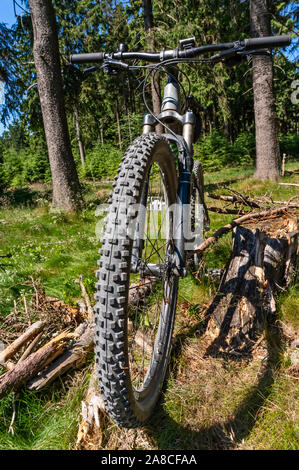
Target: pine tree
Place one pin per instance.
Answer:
(267, 145)
(66, 187)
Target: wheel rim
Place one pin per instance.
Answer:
(148, 317)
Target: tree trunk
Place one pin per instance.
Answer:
(267, 145)
(101, 134)
(150, 43)
(262, 262)
(118, 124)
(66, 187)
(78, 135)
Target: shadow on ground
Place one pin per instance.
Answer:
(24, 196)
(209, 187)
(227, 435)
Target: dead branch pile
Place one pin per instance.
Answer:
(43, 338)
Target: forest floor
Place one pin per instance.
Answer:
(209, 401)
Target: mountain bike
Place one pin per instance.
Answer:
(158, 192)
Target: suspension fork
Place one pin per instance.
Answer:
(182, 212)
(171, 117)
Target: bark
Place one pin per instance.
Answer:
(66, 187)
(259, 267)
(267, 145)
(150, 43)
(25, 370)
(72, 358)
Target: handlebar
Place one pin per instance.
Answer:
(246, 45)
(267, 41)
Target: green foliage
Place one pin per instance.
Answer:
(88, 26)
(24, 161)
(216, 151)
(289, 144)
(101, 162)
(25, 167)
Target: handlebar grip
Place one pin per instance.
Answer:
(85, 58)
(267, 41)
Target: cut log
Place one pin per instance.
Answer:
(73, 357)
(13, 348)
(261, 257)
(25, 370)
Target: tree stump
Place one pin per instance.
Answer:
(262, 263)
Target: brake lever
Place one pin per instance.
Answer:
(225, 55)
(255, 52)
(112, 67)
(109, 66)
(238, 57)
(89, 70)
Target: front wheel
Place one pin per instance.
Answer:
(137, 290)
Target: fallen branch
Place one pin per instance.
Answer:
(220, 210)
(13, 348)
(289, 184)
(237, 198)
(73, 357)
(31, 347)
(290, 204)
(27, 369)
(246, 200)
(86, 299)
(227, 228)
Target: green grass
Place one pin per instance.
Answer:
(43, 420)
(277, 425)
(49, 245)
(207, 403)
(55, 248)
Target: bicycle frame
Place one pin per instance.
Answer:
(171, 117)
